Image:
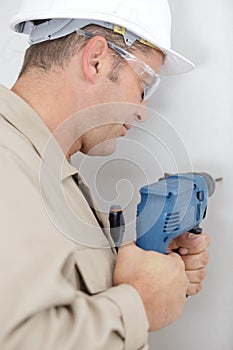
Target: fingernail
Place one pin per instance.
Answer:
(192, 236)
(183, 251)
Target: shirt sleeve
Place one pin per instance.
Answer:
(40, 308)
(111, 320)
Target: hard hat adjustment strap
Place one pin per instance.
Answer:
(57, 28)
(129, 37)
(49, 30)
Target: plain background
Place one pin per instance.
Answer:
(197, 111)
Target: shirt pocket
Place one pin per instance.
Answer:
(95, 268)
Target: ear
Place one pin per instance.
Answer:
(92, 57)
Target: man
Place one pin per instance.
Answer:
(61, 293)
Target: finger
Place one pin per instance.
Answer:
(196, 276)
(195, 261)
(186, 240)
(194, 288)
(190, 243)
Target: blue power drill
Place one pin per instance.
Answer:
(170, 207)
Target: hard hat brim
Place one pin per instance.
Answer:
(174, 63)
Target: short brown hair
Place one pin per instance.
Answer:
(49, 55)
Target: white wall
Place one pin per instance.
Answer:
(200, 106)
(198, 109)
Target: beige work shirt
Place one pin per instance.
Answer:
(56, 262)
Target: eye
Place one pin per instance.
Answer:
(142, 96)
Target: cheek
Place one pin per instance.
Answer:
(129, 87)
(133, 91)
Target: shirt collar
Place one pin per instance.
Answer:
(22, 116)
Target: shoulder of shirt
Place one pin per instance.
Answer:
(14, 141)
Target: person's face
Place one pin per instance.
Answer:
(118, 103)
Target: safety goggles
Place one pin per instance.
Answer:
(148, 77)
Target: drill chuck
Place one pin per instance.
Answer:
(210, 182)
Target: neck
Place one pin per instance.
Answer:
(54, 98)
(51, 96)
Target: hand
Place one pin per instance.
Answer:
(191, 248)
(160, 280)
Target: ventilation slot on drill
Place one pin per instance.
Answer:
(171, 223)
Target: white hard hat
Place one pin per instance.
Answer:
(149, 20)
